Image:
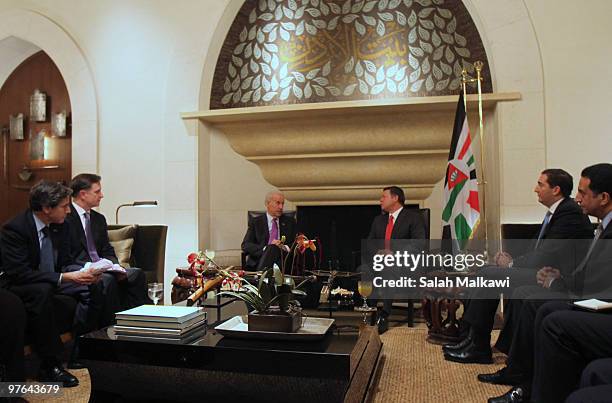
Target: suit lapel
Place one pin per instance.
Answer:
(263, 225)
(33, 236)
(558, 210)
(76, 220)
(397, 224)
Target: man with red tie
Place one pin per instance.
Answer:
(396, 222)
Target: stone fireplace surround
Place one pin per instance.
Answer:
(343, 153)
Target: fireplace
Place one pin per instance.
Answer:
(339, 230)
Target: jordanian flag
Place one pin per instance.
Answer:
(461, 213)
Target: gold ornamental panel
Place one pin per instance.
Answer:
(301, 51)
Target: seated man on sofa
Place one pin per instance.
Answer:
(36, 265)
(89, 243)
(266, 231)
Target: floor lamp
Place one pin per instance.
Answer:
(147, 203)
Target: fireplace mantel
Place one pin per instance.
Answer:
(346, 108)
(344, 152)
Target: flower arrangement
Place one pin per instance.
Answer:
(299, 248)
(275, 293)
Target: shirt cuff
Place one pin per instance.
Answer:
(59, 282)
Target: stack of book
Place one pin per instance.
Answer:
(161, 324)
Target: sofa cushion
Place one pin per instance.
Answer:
(129, 231)
(123, 250)
(122, 240)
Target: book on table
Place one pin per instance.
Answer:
(594, 305)
(161, 313)
(155, 322)
(187, 338)
(158, 331)
(161, 325)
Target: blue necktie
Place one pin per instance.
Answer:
(543, 229)
(47, 262)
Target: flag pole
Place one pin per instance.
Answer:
(478, 65)
(465, 79)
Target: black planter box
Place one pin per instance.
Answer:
(287, 323)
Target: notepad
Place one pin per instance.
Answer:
(594, 305)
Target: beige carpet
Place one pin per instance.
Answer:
(413, 370)
(78, 394)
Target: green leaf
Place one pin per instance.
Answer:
(278, 276)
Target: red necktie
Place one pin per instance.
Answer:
(388, 232)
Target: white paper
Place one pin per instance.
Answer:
(102, 266)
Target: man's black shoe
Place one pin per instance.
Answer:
(383, 323)
(501, 377)
(471, 354)
(74, 364)
(457, 346)
(57, 374)
(517, 394)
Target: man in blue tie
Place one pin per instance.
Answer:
(563, 220)
(552, 343)
(36, 265)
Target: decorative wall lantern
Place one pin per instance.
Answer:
(38, 106)
(58, 124)
(16, 126)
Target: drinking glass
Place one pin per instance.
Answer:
(365, 290)
(156, 292)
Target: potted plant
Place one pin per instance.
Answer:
(273, 301)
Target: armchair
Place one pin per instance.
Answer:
(149, 250)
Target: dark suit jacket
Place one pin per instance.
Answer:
(78, 242)
(21, 250)
(409, 225)
(256, 237)
(567, 223)
(594, 280)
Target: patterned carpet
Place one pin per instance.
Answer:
(413, 370)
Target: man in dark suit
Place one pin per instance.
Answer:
(262, 240)
(564, 219)
(12, 333)
(89, 243)
(396, 223)
(540, 329)
(35, 249)
(596, 379)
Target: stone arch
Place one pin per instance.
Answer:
(30, 31)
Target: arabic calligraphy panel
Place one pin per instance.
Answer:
(298, 51)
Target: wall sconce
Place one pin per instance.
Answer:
(147, 203)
